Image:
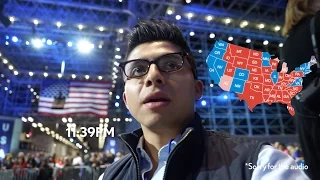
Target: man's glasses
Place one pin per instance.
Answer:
(166, 63)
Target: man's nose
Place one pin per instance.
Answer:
(154, 76)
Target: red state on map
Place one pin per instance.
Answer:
(254, 70)
(255, 62)
(274, 63)
(267, 80)
(239, 51)
(228, 57)
(240, 63)
(252, 97)
(256, 86)
(255, 78)
(267, 70)
(230, 69)
(256, 54)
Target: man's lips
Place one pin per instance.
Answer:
(156, 97)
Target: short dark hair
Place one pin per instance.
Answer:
(159, 30)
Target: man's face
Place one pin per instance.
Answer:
(179, 87)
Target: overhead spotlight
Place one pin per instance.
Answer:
(281, 45)
(191, 33)
(14, 39)
(27, 43)
(203, 103)
(261, 26)
(212, 35)
(85, 46)
(37, 43)
(169, 11)
(58, 24)
(101, 28)
(248, 41)
(36, 22)
(80, 26)
(73, 76)
(121, 31)
(266, 42)
(178, 17)
(49, 42)
(277, 28)
(211, 85)
(45, 74)
(230, 38)
(117, 49)
(11, 19)
(30, 73)
(188, 1)
(225, 97)
(59, 75)
(99, 77)
(87, 76)
(200, 51)
(100, 46)
(69, 44)
(227, 21)
(209, 18)
(117, 56)
(10, 67)
(5, 61)
(7, 43)
(15, 72)
(190, 15)
(244, 24)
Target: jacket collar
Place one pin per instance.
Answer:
(132, 139)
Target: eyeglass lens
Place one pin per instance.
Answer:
(166, 63)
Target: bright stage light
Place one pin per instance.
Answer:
(45, 74)
(14, 39)
(73, 76)
(191, 33)
(230, 38)
(178, 17)
(121, 31)
(212, 35)
(49, 42)
(209, 18)
(11, 19)
(85, 46)
(16, 72)
(248, 41)
(225, 97)
(70, 44)
(203, 103)
(87, 76)
(30, 73)
(36, 22)
(59, 24)
(37, 43)
(5, 61)
(281, 45)
(265, 42)
(11, 67)
(99, 77)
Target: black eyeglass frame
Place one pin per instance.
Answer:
(155, 61)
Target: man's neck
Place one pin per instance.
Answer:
(154, 141)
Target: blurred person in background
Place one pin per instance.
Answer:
(7, 162)
(298, 49)
(77, 161)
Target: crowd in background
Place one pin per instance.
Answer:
(291, 149)
(40, 160)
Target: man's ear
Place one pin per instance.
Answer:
(124, 97)
(199, 89)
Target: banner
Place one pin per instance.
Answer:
(6, 130)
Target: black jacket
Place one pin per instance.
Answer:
(200, 154)
(298, 49)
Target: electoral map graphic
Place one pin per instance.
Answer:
(253, 75)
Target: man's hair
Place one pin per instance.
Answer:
(158, 30)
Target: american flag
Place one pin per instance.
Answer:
(64, 97)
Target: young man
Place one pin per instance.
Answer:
(161, 88)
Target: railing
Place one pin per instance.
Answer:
(67, 173)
